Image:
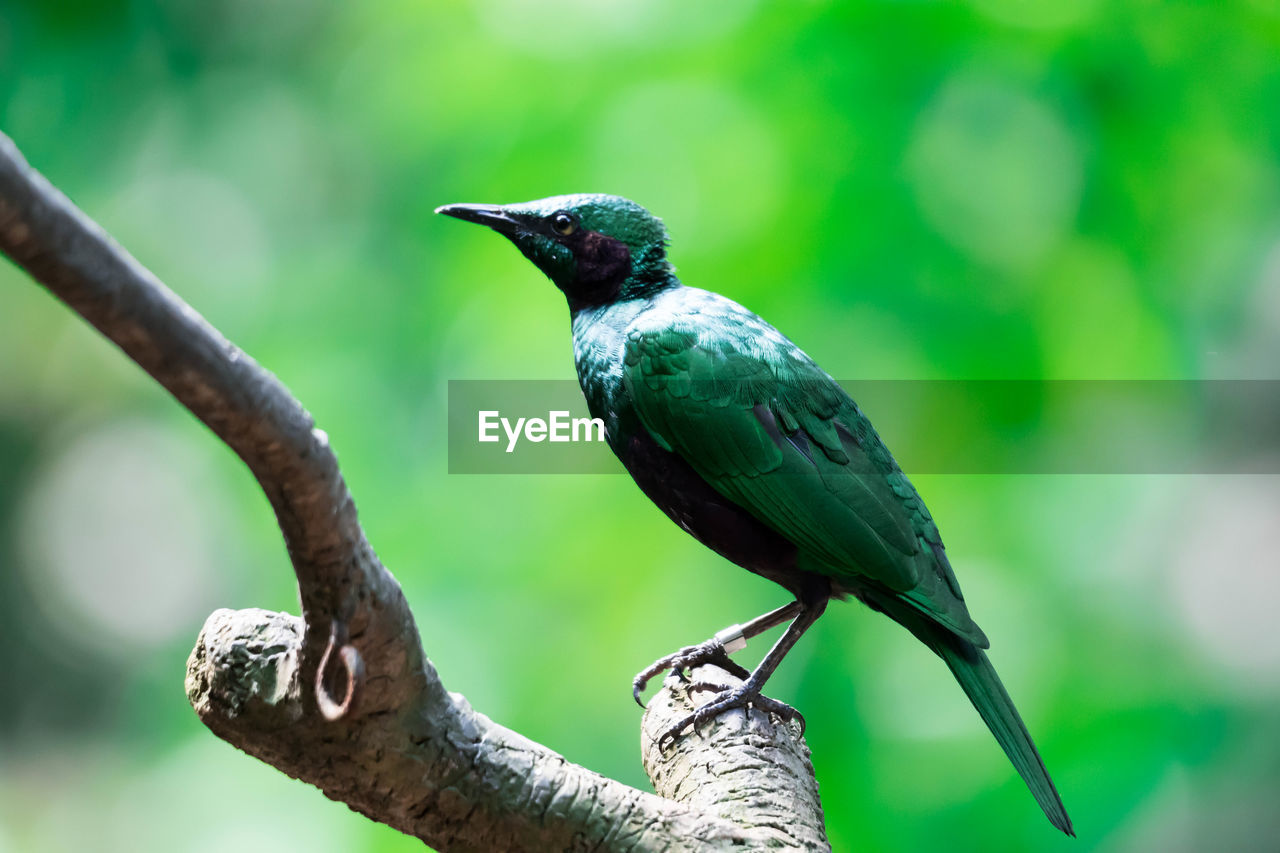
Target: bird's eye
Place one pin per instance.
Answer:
(564, 223)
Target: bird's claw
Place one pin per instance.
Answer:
(741, 696)
(712, 651)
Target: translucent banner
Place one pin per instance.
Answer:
(931, 427)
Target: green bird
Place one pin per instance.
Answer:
(743, 441)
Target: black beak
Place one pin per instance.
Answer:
(484, 214)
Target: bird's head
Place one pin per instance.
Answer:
(596, 248)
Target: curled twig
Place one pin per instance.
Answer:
(352, 670)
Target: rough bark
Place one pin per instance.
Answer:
(374, 727)
(724, 779)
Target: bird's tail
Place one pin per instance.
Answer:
(971, 667)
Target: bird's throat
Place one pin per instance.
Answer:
(602, 266)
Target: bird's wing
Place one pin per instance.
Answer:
(768, 429)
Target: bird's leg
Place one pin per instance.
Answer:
(748, 692)
(716, 650)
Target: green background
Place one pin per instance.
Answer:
(1061, 190)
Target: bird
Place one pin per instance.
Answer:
(743, 441)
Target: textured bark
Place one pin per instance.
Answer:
(718, 770)
(400, 748)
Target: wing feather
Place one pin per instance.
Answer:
(780, 438)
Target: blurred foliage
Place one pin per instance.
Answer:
(991, 189)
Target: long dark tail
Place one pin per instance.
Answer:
(977, 676)
(971, 667)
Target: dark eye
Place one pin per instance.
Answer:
(564, 223)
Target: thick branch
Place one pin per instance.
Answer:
(735, 786)
(399, 748)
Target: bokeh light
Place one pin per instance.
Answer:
(120, 538)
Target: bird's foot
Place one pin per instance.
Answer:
(712, 651)
(729, 697)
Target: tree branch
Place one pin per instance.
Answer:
(373, 726)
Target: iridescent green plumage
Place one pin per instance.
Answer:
(720, 396)
(752, 448)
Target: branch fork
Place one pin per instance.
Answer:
(344, 696)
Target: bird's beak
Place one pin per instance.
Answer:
(483, 214)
